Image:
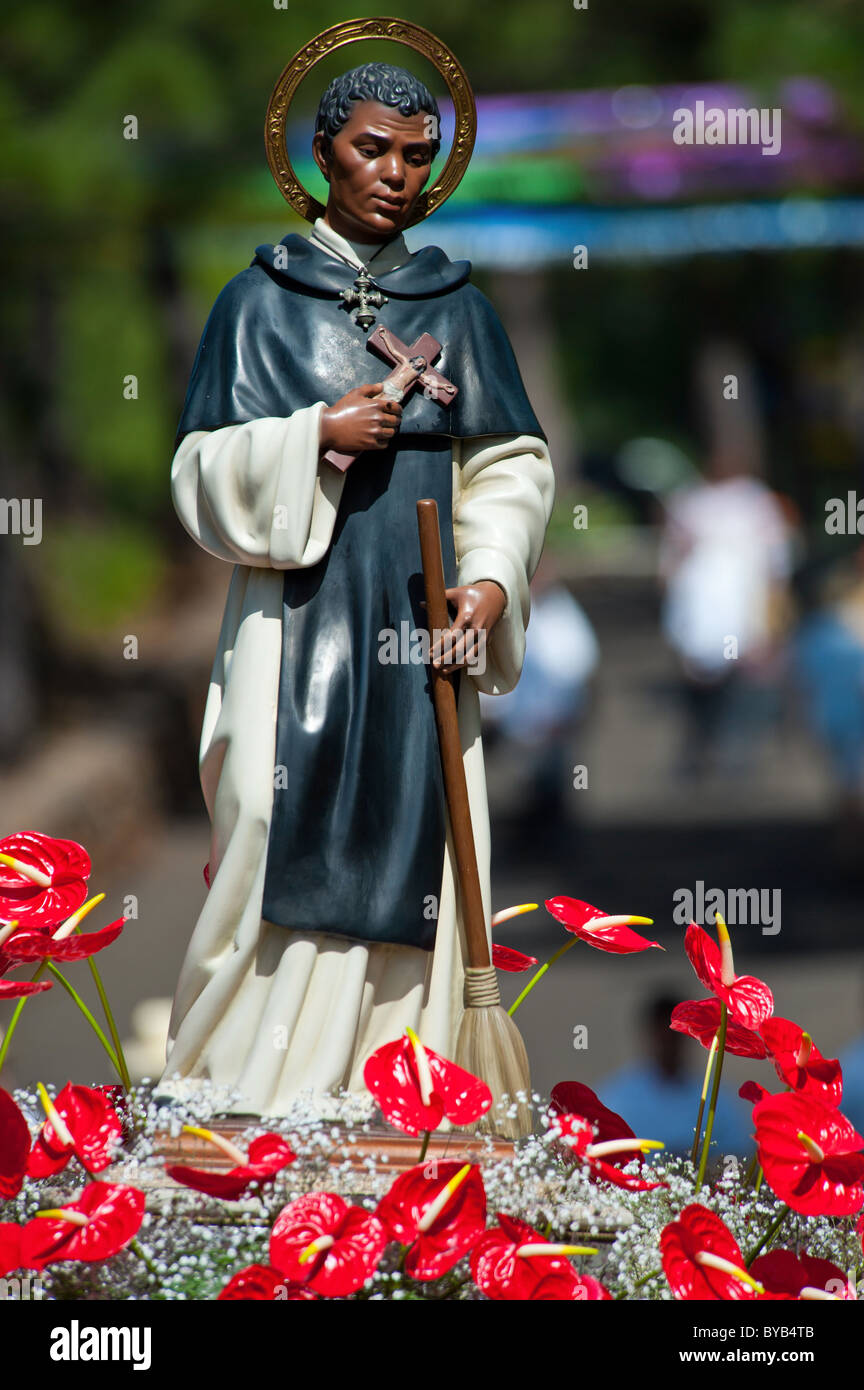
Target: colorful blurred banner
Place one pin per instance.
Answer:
(513, 239)
(618, 146)
(555, 170)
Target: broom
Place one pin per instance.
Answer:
(489, 1045)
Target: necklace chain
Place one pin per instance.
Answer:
(364, 266)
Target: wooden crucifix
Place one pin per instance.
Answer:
(412, 366)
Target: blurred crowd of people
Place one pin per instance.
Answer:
(751, 619)
(764, 626)
(760, 631)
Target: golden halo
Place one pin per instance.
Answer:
(339, 36)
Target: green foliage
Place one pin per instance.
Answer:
(608, 514)
(773, 39)
(93, 576)
(111, 330)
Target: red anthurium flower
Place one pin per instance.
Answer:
(512, 1261)
(701, 1258)
(416, 1088)
(811, 1155)
(748, 1000)
(440, 1214)
(585, 1288)
(700, 1018)
(264, 1284)
(268, 1155)
(575, 1098)
(787, 1275)
(752, 1091)
(10, 1247)
(573, 1101)
(577, 1134)
(20, 989)
(798, 1061)
(505, 957)
(320, 1241)
(28, 946)
(598, 929)
(14, 1147)
(42, 879)
(22, 944)
(81, 1121)
(96, 1225)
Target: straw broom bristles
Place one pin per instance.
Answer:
(490, 1046)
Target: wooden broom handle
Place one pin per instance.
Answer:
(450, 743)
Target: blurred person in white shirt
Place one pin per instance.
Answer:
(726, 560)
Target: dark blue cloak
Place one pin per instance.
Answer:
(357, 833)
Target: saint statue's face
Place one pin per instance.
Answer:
(376, 170)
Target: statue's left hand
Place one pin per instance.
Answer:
(478, 608)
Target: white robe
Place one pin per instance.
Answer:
(268, 1012)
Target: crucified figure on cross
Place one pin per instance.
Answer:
(412, 367)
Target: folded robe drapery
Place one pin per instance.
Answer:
(358, 824)
(272, 1011)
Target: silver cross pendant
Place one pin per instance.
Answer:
(362, 298)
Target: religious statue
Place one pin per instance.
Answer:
(332, 920)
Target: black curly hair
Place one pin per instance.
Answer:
(381, 82)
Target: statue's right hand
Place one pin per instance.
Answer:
(364, 419)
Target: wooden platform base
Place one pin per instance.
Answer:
(360, 1164)
(389, 1150)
